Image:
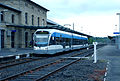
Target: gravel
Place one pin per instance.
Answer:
(84, 70)
(80, 71)
(23, 67)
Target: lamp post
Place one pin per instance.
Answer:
(119, 20)
(119, 32)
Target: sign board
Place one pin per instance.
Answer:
(13, 30)
(116, 32)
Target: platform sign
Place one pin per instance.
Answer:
(116, 32)
(13, 30)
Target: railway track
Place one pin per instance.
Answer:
(42, 72)
(12, 63)
(17, 62)
(40, 67)
(27, 73)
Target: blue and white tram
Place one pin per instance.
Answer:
(51, 41)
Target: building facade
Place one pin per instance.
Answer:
(18, 19)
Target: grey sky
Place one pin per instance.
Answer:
(81, 10)
(77, 7)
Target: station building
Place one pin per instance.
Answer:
(18, 22)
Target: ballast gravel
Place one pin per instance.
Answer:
(84, 70)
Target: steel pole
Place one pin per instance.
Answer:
(72, 36)
(119, 31)
(119, 22)
(119, 35)
(95, 56)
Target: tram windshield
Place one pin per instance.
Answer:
(41, 38)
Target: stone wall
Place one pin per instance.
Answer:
(25, 6)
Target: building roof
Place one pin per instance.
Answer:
(8, 7)
(51, 22)
(38, 5)
(58, 27)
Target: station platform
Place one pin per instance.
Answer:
(111, 54)
(14, 52)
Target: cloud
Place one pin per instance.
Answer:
(94, 25)
(79, 6)
(67, 8)
(91, 16)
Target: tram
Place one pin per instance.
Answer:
(52, 41)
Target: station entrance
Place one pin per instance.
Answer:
(12, 39)
(26, 39)
(2, 38)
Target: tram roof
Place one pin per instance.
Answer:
(59, 27)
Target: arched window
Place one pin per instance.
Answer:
(26, 18)
(32, 19)
(38, 21)
(2, 16)
(13, 18)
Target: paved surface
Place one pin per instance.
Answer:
(7, 52)
(112, 55)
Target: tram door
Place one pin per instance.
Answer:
(12, 39)
(2, 38)
(26, 39)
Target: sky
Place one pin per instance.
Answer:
(94, 17)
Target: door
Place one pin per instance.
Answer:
(2, 38)
(12, 39)
(26, 39)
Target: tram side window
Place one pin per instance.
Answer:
(74, 41)
(85, 41)
(57, 40)
(61, 39)
(77, 41)
(64, 41)
(67, 40)
(81, 41)
(52, 41)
